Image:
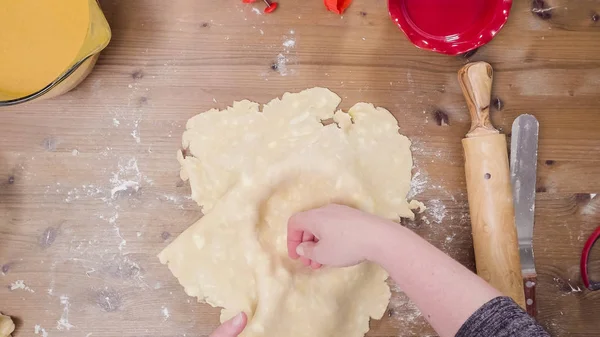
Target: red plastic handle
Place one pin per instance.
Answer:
(271, 8)
(591, 285)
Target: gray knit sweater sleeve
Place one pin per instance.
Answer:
(501, 317)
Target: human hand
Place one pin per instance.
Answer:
(334, 235)
(231, 328)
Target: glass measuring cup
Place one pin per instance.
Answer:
(97, 38)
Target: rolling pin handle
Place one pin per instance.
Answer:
(476, 82)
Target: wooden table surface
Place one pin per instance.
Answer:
(78, 241)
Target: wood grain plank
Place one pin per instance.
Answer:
(64, 232)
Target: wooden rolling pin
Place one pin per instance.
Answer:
(489, 190)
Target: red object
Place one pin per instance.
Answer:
(271, 7)
(450, 27)
(591, 285)
(337, 6)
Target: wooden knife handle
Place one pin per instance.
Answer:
(489, 189)
(529, 283)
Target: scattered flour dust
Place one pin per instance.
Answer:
(289, 43)
(113, 221)
(417, 185)
(282, 64)
(175, 199)
(128, 177)
(20, 284)
(136, 131)
(283, 58)
(39, 330)
(63, 323)
(165, 312)
(437, 210)
(85, 190)
(562, 282)
(125, 178)
(124, 186)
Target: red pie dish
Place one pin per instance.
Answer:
(450, 27)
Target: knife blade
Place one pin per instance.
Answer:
(523, 167)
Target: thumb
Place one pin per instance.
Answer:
(309, 250)
(231, 328)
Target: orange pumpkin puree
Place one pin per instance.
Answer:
(39, 40)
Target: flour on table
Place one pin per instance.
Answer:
(418, 183)
(20, 284)
(128, 177)
(136, 131)
(289, 43)
(63, 322)
(251, 170)
(165, 312)
(286, 57)
(83, 191)
(38, 330)
(282, 64)
(437, 210)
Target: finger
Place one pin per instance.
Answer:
(308, 250)
(307, 237)
(305, 261)
(315, 265)
(231, 328)
(297, 225)
(294, 238)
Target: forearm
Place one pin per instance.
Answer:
(445, 291)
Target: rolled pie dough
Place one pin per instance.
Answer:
(6, 326)
(250, 171)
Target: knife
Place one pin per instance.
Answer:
(523, 166)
